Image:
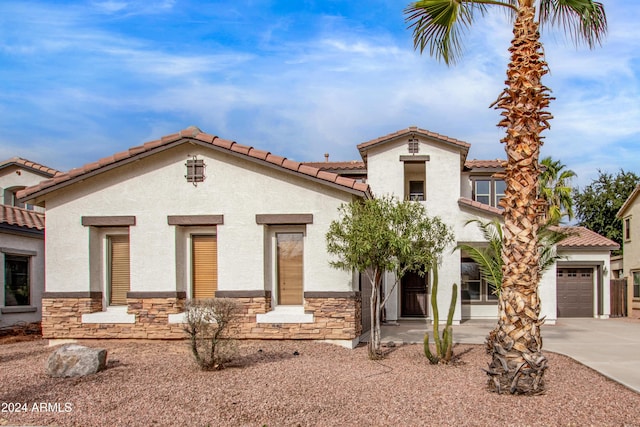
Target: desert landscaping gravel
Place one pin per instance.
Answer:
(156, 383)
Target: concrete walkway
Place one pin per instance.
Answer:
(609, 346)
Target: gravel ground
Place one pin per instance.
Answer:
(158, 384)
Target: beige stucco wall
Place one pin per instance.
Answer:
(443, 189)
(33, 247)
(15, 176)
(631, 254)
(154, 187)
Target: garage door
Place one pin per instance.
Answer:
(575, 292)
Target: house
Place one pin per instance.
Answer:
(629, 214)
(21, 243)
(421, 165)
(132, 236)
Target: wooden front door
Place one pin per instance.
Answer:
(413, 295)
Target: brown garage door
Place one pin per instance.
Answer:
(575, 292)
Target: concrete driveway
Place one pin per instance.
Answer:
(609, 346)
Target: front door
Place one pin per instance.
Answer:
(413, 295)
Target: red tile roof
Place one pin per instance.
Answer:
(583, 238)
(19, 161)
(194, 135)
(12, 215)
(579, 237)
(485, 164)
(463, 201)
(348, 165)
(363, 147)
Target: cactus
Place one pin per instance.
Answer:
(444, 344)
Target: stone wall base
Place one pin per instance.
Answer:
(334, 318)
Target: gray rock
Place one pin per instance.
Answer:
(73, 360)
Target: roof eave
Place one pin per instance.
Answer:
(175, 143)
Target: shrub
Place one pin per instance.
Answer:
(207, 322)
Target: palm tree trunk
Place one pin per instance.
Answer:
(517, 364)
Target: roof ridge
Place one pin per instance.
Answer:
(30, 164)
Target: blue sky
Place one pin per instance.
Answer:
(80, 80)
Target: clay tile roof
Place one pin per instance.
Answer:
(348, 165)
(463, 201)
(19, 161)
(485, 164)
(12, 215)
(583, 238)
(195, 135)
(363, 147)
(579, 237)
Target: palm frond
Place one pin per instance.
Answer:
(584, 20)
(439, 25)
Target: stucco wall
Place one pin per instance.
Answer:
(442, 176)
(153, 188)
(631, 254)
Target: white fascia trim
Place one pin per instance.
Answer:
(285, 314)
(111, 315)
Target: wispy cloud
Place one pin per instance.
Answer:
(300, 80)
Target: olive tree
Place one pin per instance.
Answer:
(384, 234)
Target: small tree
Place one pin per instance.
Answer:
(207, 323)
(383, 234)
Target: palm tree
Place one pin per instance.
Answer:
(555, 188)
(517, 364)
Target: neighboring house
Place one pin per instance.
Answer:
(131, 236)
(21, 243)
(629, 213)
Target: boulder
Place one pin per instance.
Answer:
(73, 360)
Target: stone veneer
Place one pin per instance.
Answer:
(62, 316)
(336, 316)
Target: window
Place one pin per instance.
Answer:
(119, 269)
(627, 228)
(488, 191)
(204, 266)
(474, 287)
(636, 284)
(500, 186)
(414, 181)
(289, 268)
(195, 170)
(416, 191)
(16, 280)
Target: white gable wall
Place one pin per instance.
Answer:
(153, 188)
